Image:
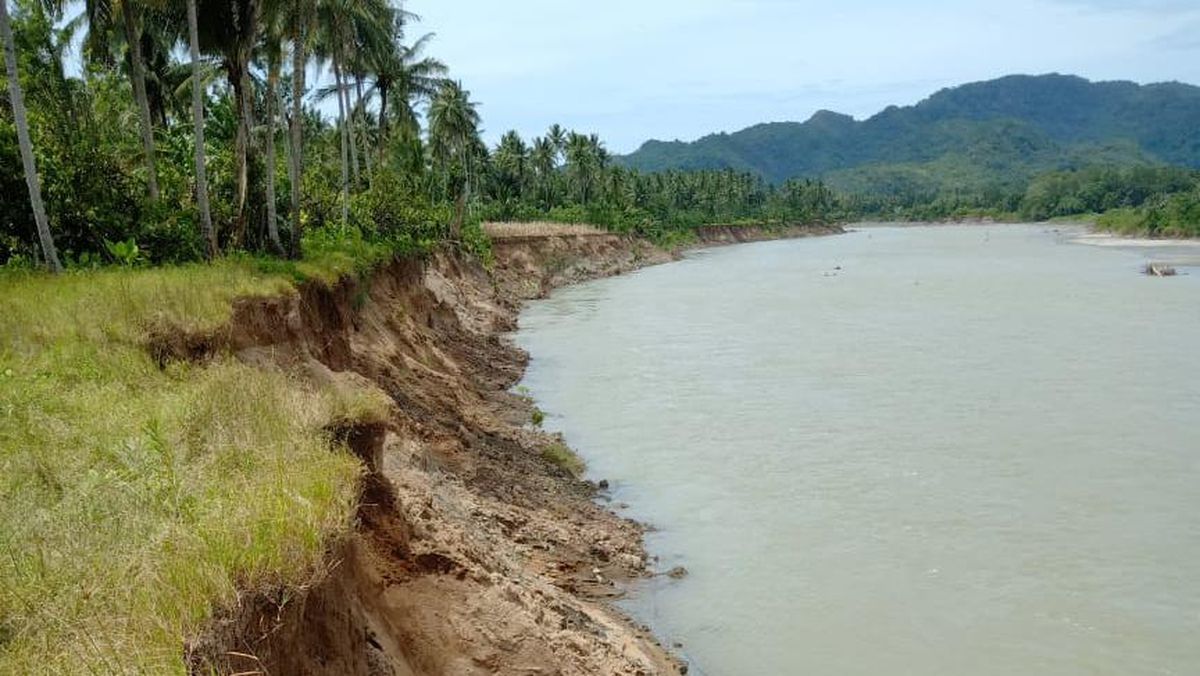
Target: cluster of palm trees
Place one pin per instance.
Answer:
(556, 168)
(379, 79)
(564, 170)
(214, 137)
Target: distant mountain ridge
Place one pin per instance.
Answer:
(997, 131)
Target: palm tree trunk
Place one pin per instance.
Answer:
(238, 64)
(345, 138)
(352, 144)
(22, 123)
(133, 38)
(383, 121)
(206, 226)
(362, 129)
(286, 124)
(466, 166)
(242, 104)
(272, 224)
(297, 133)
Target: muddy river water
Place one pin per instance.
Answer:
(919, 450)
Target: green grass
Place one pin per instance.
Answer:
(560, 454)
(1175, 215)
(134, 499)
(1075, 219)
(1146, 223)
(1125, 221)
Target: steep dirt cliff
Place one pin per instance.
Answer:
(475, 550)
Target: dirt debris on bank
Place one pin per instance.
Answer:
(473, 553)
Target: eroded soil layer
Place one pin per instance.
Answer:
(474, 551)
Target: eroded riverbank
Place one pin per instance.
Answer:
(475, 551)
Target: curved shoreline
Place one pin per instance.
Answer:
(476, 550)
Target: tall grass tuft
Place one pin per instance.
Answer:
(134, 499)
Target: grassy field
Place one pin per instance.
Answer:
(134, 499)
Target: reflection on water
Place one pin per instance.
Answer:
(903, 450)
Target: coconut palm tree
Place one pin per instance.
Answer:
(344, 137)
(163, 29)
(21, 120)
(382, 57)
(206, 224)
(360, 112)
(133, 40)
(100, 27)
(300, 15)
(557, 137)
(331, 47)
(374, 32)
(510, 161)
(274, 24)
(543, 157)
(401, 77)
(453, 131)
(401, 71)
(230, 28)
(598, 151)
(341, 28)
(356, 72)
(585, 159)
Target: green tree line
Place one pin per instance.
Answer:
(1146, 199)
(569, 176)
(224, 150)
(191, 130)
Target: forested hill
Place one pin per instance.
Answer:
(986, 132)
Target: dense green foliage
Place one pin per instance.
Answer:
(1173, 215)
(94, 170)
(1029, 147)
(401, 164)
(1000, 132)
(573, 181)
(1054, 194)
(1097, 190)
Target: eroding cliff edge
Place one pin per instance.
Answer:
(475, 551)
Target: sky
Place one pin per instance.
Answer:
(631, 70)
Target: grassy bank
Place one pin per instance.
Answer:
(1177, 216)
(134, 498)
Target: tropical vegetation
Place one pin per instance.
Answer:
(196, 152)
(569, 177)
(231, 149)
(231, 152)
(199, 151)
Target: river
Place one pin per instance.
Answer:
(903, 450)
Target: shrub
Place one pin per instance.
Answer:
(560, 455)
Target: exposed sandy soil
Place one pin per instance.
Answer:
(472, 553)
